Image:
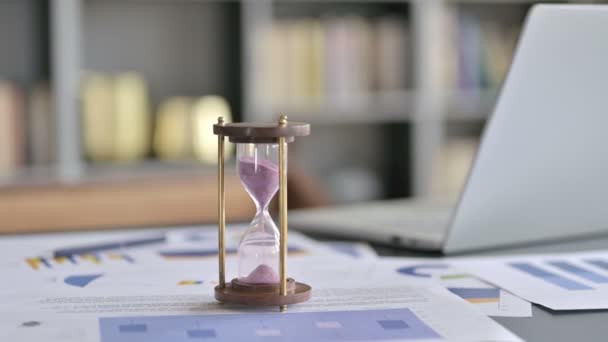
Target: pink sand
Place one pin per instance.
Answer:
(263, 274)
(261, 179)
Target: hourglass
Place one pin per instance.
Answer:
(262, 252)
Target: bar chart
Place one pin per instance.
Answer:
(371, 325)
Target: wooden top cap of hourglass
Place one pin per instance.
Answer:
(248, 132)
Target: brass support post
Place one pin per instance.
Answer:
(283, 210)
(221, 207)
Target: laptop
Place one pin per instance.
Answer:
(541, 172)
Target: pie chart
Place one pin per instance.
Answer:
(418, 270)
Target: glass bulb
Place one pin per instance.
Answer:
(258, 251)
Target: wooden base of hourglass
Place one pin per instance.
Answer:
(238, 292)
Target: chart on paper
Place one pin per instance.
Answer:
(86, 280)
(488, 298)
(362, 325)
(67, 262)
(407, 313)
(561, 282)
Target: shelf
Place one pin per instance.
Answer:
(99, 173)
(384, 107)
(192, 47)
(461, 105)
(152, 200)
(144, 194)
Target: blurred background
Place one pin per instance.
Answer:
(106, 106)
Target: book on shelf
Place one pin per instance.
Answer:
(330, 62)
(27, 127)
(483, 48)
(12, 128)
(118, 125)
(183, 128)
(115, 117)
(172, 135)
(205, 112)
(304, 49)
(132, 118)
(469, 52)
(41, 126)
(391, 48)
(98, 117)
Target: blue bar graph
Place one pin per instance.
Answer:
(603, 264)
(477, 295)
(361, 325)
(549, 277)
(580, 271)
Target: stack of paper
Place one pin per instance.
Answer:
(164, 292)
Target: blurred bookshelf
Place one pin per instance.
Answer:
(122, 88)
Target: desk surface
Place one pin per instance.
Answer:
(545, 324)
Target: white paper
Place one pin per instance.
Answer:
(488, 298)
(32, 254)
(64, 302)
(574, 281)
(76, 316)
